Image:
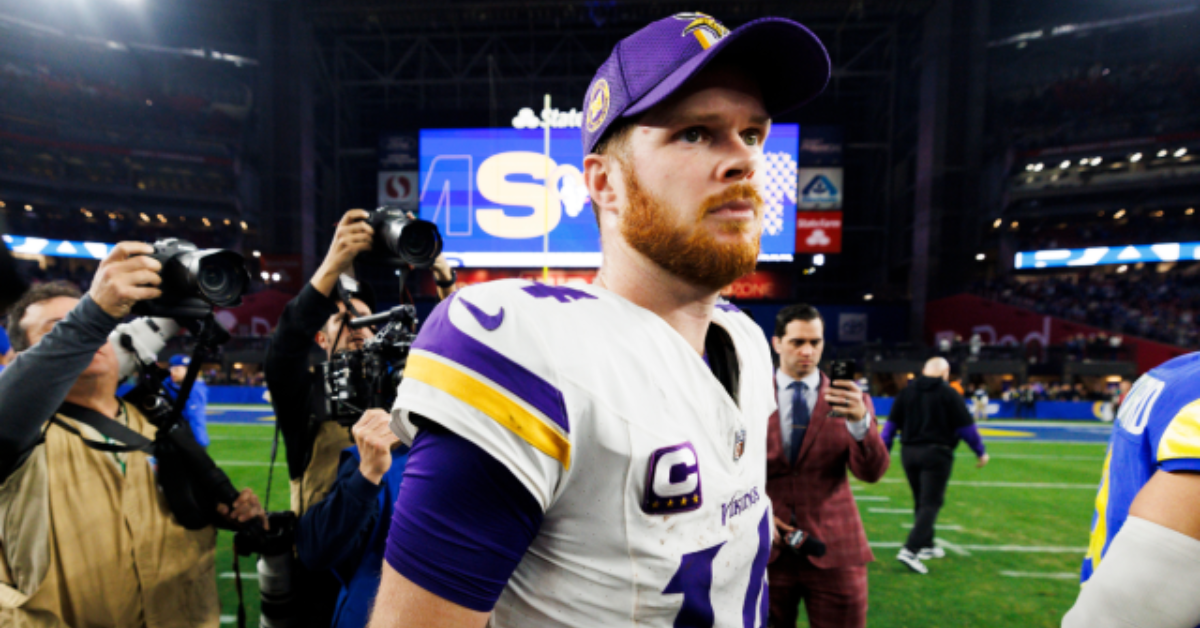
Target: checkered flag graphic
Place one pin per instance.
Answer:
(780, 188)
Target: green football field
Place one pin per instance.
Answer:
(1014, 532)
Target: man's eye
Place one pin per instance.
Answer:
(693, 135)
(752, 138)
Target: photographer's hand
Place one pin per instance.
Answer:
(245, 508)
(126, 276)
(353, 236)
(375, 440)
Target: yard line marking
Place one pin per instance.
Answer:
(870, 498)
(1096, 458)
(956, 549)
(240, 438)
(1054, 575)
(228, 619)
(1046, 485)
(1023, 549)
(246, 575)
(247, 463)
(891, 511)
(951, 527)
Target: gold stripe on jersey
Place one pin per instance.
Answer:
(1100, 530)
(474, 391)
(1182, 438)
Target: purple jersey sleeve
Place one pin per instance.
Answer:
(971, 434)
(462, 521)
(889, 433)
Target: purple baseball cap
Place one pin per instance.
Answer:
(787, 59)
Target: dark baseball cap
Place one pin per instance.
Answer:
(644, 69)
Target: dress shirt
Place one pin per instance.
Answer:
(783, 394)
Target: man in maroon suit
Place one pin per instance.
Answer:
(821, 428)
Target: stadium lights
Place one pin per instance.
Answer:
(245, 226)
(227, 221)
(1162, 153)
(1066, 163)
(979, 257)
(265, 275)
(1157, 214)
(1181, 152)
(868, 297)
(1015, 224)
(162, 218)
(819, 259)
(257, 254)
(1189, 211)
(2, 205)
(1136, 157)
(1083, 162)
(149, 103)
(1096, 161)
(206, 222)
(29, 208)
(996, 225)
(1119, 215)
(1122, 268)
(274, 276)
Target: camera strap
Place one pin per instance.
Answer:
(132, 440)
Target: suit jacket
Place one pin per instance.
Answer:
(815, 488)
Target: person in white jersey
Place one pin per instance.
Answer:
(596, 456)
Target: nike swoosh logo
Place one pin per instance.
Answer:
(488, 322)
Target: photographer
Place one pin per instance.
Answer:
(88, 538)
(347, 531)
(315, 442)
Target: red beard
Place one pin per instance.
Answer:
(692, 254)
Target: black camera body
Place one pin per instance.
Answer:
(401, 241)
(195, 280)
(367, 378)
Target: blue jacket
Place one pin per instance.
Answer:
(347, 532)
(196, 411)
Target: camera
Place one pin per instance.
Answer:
(367, 378)
(195, 280)
(401, 241)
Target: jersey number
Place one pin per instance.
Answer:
(694, 580)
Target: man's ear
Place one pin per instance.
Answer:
(322, 340)
(777, 344)
(602, 175)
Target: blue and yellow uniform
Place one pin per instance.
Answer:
(1158, 427)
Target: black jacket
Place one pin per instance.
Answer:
(297, 402)
(929, 412)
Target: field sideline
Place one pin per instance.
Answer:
(1014, 532)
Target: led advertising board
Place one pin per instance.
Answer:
(487, 191)
(57, 248)
(1105, 255)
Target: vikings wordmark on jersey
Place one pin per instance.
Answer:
(649, 472)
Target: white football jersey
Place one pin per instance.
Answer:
(652, 479)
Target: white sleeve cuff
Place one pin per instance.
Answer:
(859, 429)
(1147, 578)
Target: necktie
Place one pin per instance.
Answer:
(800, 418)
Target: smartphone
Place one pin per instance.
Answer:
(841, 370)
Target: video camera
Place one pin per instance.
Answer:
(367, 378)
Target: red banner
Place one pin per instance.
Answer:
(819, 232)
(762, 284)
(996, 323)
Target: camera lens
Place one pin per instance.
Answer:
(220, 280)
(419, 242)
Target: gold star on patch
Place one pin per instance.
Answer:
(696, 499)
(654, 505)
(670, 502)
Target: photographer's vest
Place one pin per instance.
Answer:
(328, 443)
(88, 540)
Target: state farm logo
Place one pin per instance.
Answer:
(818, 239)
(819, 223)
(819, 232)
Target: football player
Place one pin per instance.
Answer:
(1143, 561)
(595, 456)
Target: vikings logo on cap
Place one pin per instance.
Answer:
(597, 108)
(705, 27)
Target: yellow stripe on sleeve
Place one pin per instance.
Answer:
(473, 392)
(1182, 438)
(1100, 530)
